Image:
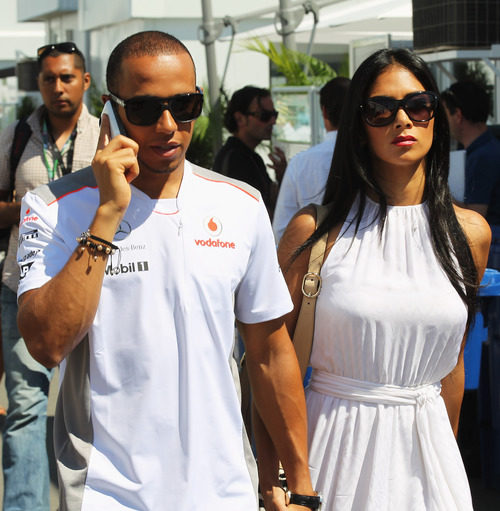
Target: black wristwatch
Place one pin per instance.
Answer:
(313, 502)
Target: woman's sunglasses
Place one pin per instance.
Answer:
(382, 110)
(146, 110)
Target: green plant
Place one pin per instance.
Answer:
(298, 68)
(26, 107)
(200, 151)
(95, 101)
(201, 148)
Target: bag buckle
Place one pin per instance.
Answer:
(311, 284)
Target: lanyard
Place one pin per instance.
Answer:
(49, 145)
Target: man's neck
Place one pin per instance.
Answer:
(249, 141)
(159, 185)
(61, 127)
(473, 131)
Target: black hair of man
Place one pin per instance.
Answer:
(151, 43)
(332, 96)
(79, 59)
(470, 97)
(240, 102)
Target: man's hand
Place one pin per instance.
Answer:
(115, 167)
(9, 211)
(279, 164)
(274, 499)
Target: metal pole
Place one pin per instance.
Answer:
(285, 14)
(210, 35)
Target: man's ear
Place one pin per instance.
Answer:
(240, 119)
(86, 81)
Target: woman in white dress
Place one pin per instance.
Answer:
(399, 284)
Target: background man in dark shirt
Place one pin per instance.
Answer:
(467, 105)
(250, 117)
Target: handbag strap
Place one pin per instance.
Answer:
(311, 287)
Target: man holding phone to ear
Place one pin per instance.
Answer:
(58, 138)
(140, 266)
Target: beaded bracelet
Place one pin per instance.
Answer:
(92, 242)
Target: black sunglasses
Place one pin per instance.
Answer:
(67, 47)
(382, 110)
(264, 115)
(146, 110)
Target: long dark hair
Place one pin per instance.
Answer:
(351, 174)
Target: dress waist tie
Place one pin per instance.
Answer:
(359, 390)
(418, 396)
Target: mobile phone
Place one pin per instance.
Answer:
(115, 123)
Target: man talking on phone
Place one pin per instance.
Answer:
(138, 269)
(59, 137)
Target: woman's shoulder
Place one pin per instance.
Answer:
(302, 225)
(478, 233)
(474, 225)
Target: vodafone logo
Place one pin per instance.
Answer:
(212, 225)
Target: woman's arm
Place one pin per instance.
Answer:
(478, 234)
(300, 228)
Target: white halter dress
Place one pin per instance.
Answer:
(388, 328)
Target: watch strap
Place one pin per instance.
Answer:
(311, 501)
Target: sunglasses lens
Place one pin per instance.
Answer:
(185, 108)
(421, 108)
(267, 115)
(379, 111)
(143, 112)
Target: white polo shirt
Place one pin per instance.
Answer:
(148, 416)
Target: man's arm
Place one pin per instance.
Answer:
(54, 318)
(9, 211)
(279, 399)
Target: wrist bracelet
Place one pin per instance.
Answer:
(96, 244)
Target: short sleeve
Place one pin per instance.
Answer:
(262, 294)
(42, 253)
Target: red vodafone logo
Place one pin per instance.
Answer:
(212, 225)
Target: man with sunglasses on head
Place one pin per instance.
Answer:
(250, 117)
(62, 138)
(141, 264)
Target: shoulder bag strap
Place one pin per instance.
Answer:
(311, 287)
